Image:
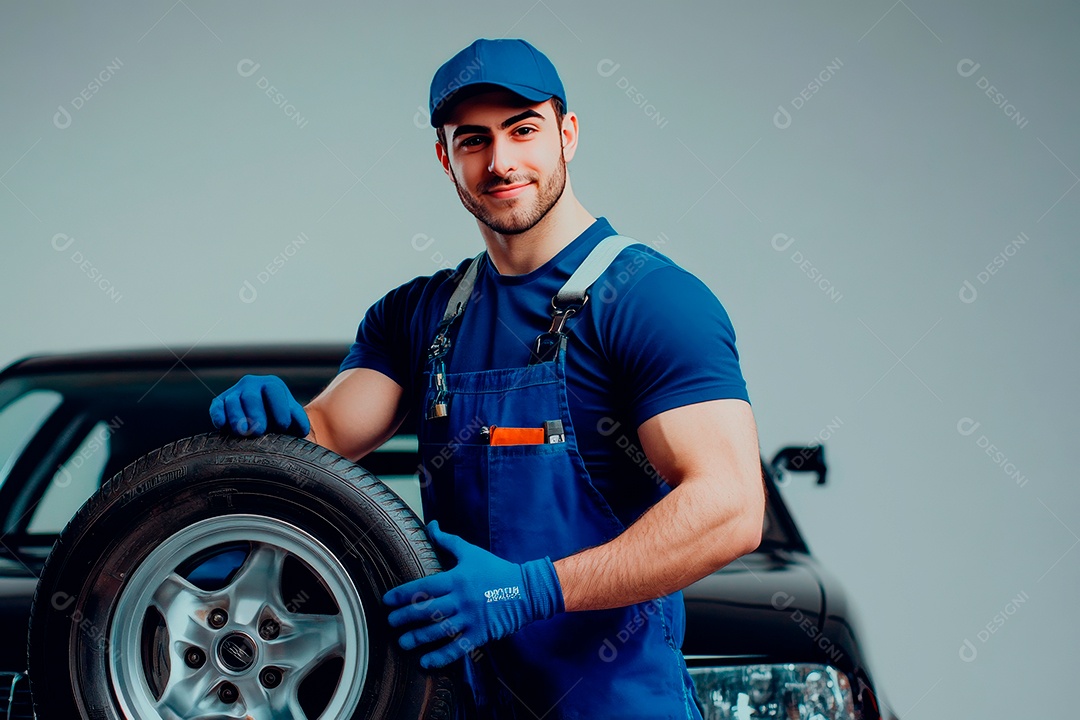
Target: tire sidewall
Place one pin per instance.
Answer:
(116, 530)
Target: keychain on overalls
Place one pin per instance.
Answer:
(440, 346)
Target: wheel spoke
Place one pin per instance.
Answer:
(256, 700)
(183, 606)
(305, 642)
(283, 700)
(257, 583)
(286, 704)
(188, 690)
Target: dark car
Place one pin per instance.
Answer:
(770, 635)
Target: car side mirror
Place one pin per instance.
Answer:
(803, 458)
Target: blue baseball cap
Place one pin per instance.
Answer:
(486, 64)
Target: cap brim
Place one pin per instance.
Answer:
(447, 104)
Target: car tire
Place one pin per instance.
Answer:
(299, 516)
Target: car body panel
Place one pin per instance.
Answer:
(776, 605)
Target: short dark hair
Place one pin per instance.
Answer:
(556, 106)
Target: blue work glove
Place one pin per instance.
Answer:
(483, 598)
(259, 404)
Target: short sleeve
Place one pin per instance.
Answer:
(673, 344)
(382, 339)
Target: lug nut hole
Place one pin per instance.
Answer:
(228, 693)
(217, 618)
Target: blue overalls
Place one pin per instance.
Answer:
(526, 501)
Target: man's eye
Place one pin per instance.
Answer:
(525, 130)
(473, 141)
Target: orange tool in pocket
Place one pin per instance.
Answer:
(517, 436)
(552, 432)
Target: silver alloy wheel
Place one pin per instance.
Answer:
(235, 653)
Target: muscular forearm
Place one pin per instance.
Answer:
(355, 413)
(320, 435)
(692, 532)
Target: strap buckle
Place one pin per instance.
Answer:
(548, 344)
(559, 318)
(439, 346)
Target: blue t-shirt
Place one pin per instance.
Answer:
(651, 338)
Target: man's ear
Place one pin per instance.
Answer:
(444, 159)
(569, 135)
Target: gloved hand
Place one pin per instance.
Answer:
(259, 404)
(482, 597)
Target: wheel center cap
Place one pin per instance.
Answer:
(237, 652)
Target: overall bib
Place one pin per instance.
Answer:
(526, 500)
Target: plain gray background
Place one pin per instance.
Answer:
(836, 172)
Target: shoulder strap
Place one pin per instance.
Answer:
(574, 294)
(460, 297)
(575, 291)
(440, 346)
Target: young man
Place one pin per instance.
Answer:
(587, 441)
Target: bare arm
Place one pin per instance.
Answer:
(709, 452)
(356, 413)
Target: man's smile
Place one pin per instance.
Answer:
(504, 192)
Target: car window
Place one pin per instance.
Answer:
(73, 482)
(19, 421)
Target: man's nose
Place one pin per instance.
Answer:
(501, 162)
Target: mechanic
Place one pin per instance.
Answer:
(587, 443)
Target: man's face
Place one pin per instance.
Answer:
(505, 159)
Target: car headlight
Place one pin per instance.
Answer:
(747, 692)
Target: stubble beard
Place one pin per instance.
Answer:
(518, 218)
